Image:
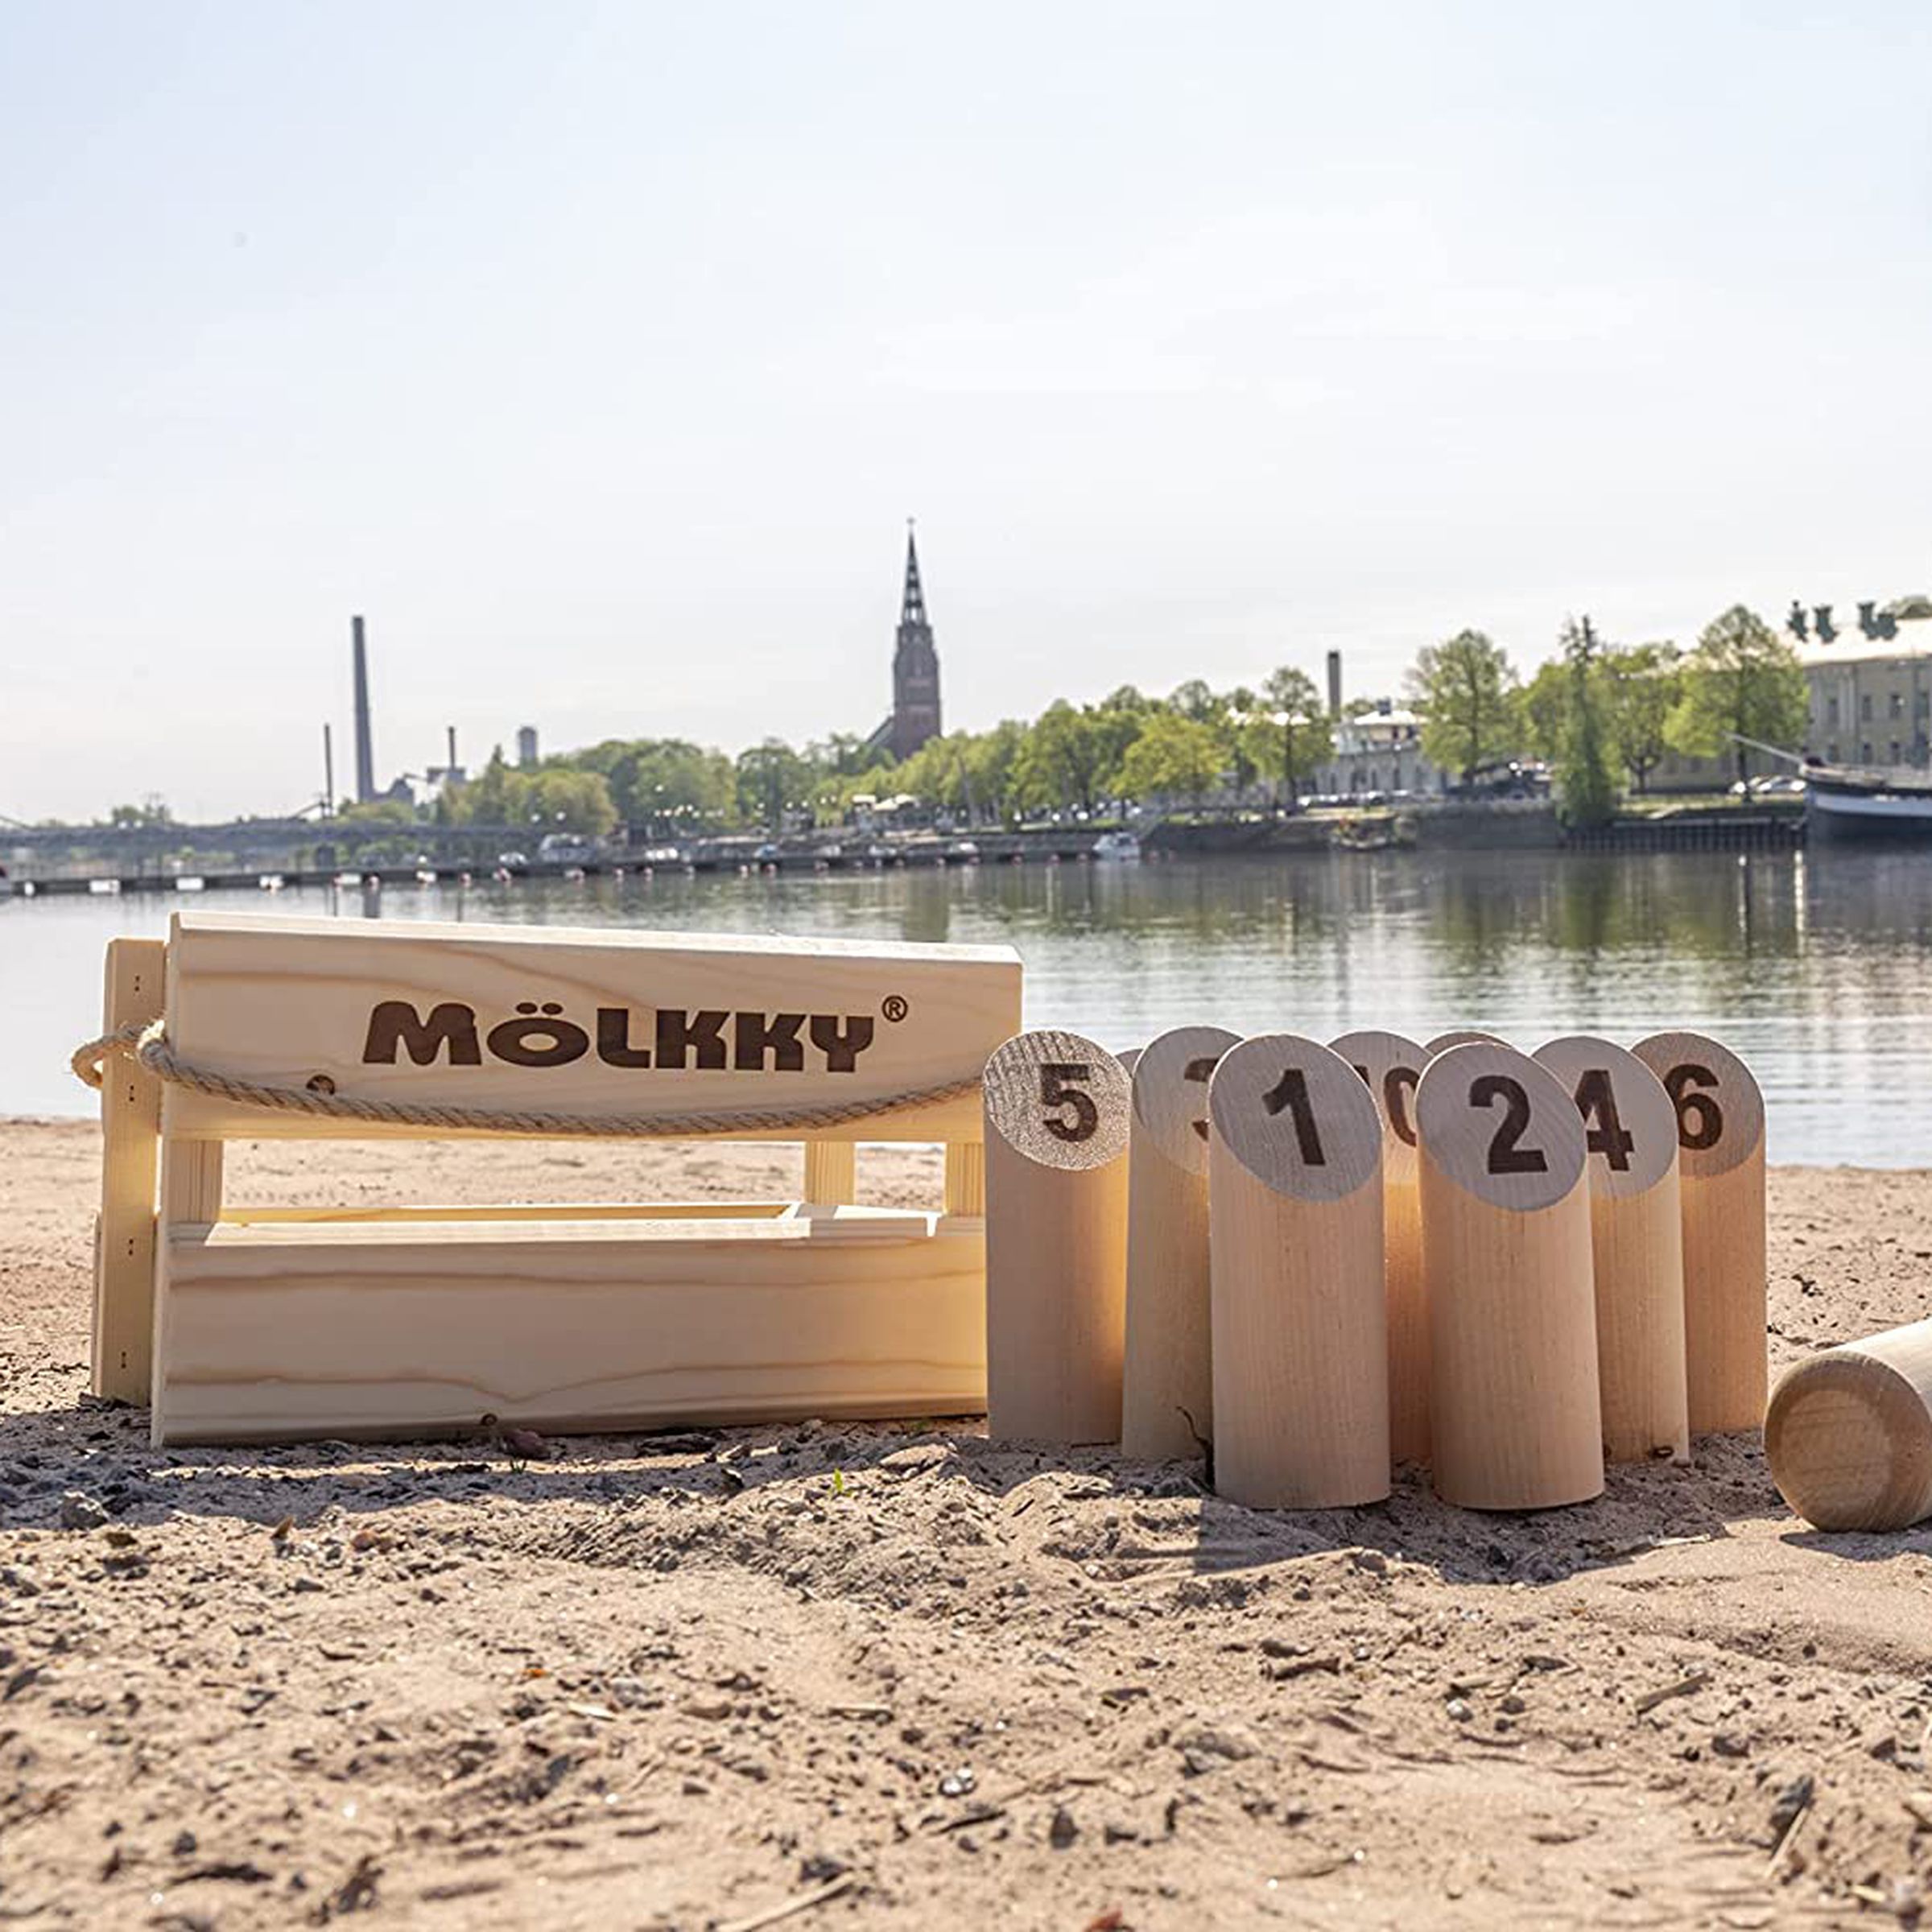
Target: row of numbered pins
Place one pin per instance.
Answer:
(1508, 1266)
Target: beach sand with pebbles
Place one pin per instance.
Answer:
(825, 1677)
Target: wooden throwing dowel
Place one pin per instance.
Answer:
(1299, 1322)
(1848, 1434)
(1720, 1139)
(1392, 1066)
(1056, 1239)
(1166, 1389)
(1636, 1244)
(1513, 1410)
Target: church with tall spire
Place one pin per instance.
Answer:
(915, 669)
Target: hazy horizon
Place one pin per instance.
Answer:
(596, 354)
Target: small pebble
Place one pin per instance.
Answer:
(80, 1511)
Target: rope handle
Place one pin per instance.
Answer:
(146, 1042)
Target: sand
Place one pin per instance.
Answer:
(890, 1677)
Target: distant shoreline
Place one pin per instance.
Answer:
(1503, 826)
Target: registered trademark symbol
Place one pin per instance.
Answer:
(894, 1008)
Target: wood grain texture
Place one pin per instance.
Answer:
(1514, 1413)
(1391, 1065)
(1167, 1392)
(965, 1182)
(832, 1171)
(283, 1000)
(1056, 1125)
(1721, 1162)
(1460, 1036)
(190, 1180)
(296, 1330)
(1299, 1317)
(134, 992)
(1848, 1433)
(1637, 1245)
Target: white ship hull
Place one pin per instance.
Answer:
(1876, 811)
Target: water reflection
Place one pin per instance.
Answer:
(1815, 968)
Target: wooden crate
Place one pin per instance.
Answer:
(277, 1323)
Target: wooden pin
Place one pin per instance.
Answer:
(1720, 1138)
(1300, 1339)
(1167, 1393)
(1513, 1410)
(1637, 1245)
(1057, 1111)
(1848, 1433)
(1460, 1037)
(1391, 1065)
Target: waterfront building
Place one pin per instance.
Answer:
(1378, 751)
(1871, 693)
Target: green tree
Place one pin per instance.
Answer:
(660, 784)
(1543, 710)
(1174, 755)
(486, 799)
(378, 811)
(1742, 681)
(1466, 688)
(845, 754)
(1237, 712)
(992, 759)
(151, 811)
(771, 778)
(1116, 722)
(1066, 759)
(1196, 699)
(563, 800)
(1643, 684)
(1294, 733)
(1587, 790)
(940, 773)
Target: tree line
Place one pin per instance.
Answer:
(1604, 715)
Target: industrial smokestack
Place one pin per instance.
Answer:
(452, 751)
(1335, 684)
(365, 751)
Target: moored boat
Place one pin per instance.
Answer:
(1842, 802)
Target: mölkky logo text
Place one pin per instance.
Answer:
(671, 1037)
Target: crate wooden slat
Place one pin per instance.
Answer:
(294, 1329)
(130, 1128)
(285, 1001)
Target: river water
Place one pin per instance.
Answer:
(1816, 968)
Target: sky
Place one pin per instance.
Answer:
(598, 352)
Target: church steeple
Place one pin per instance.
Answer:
(915, 665)
(912, 606)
